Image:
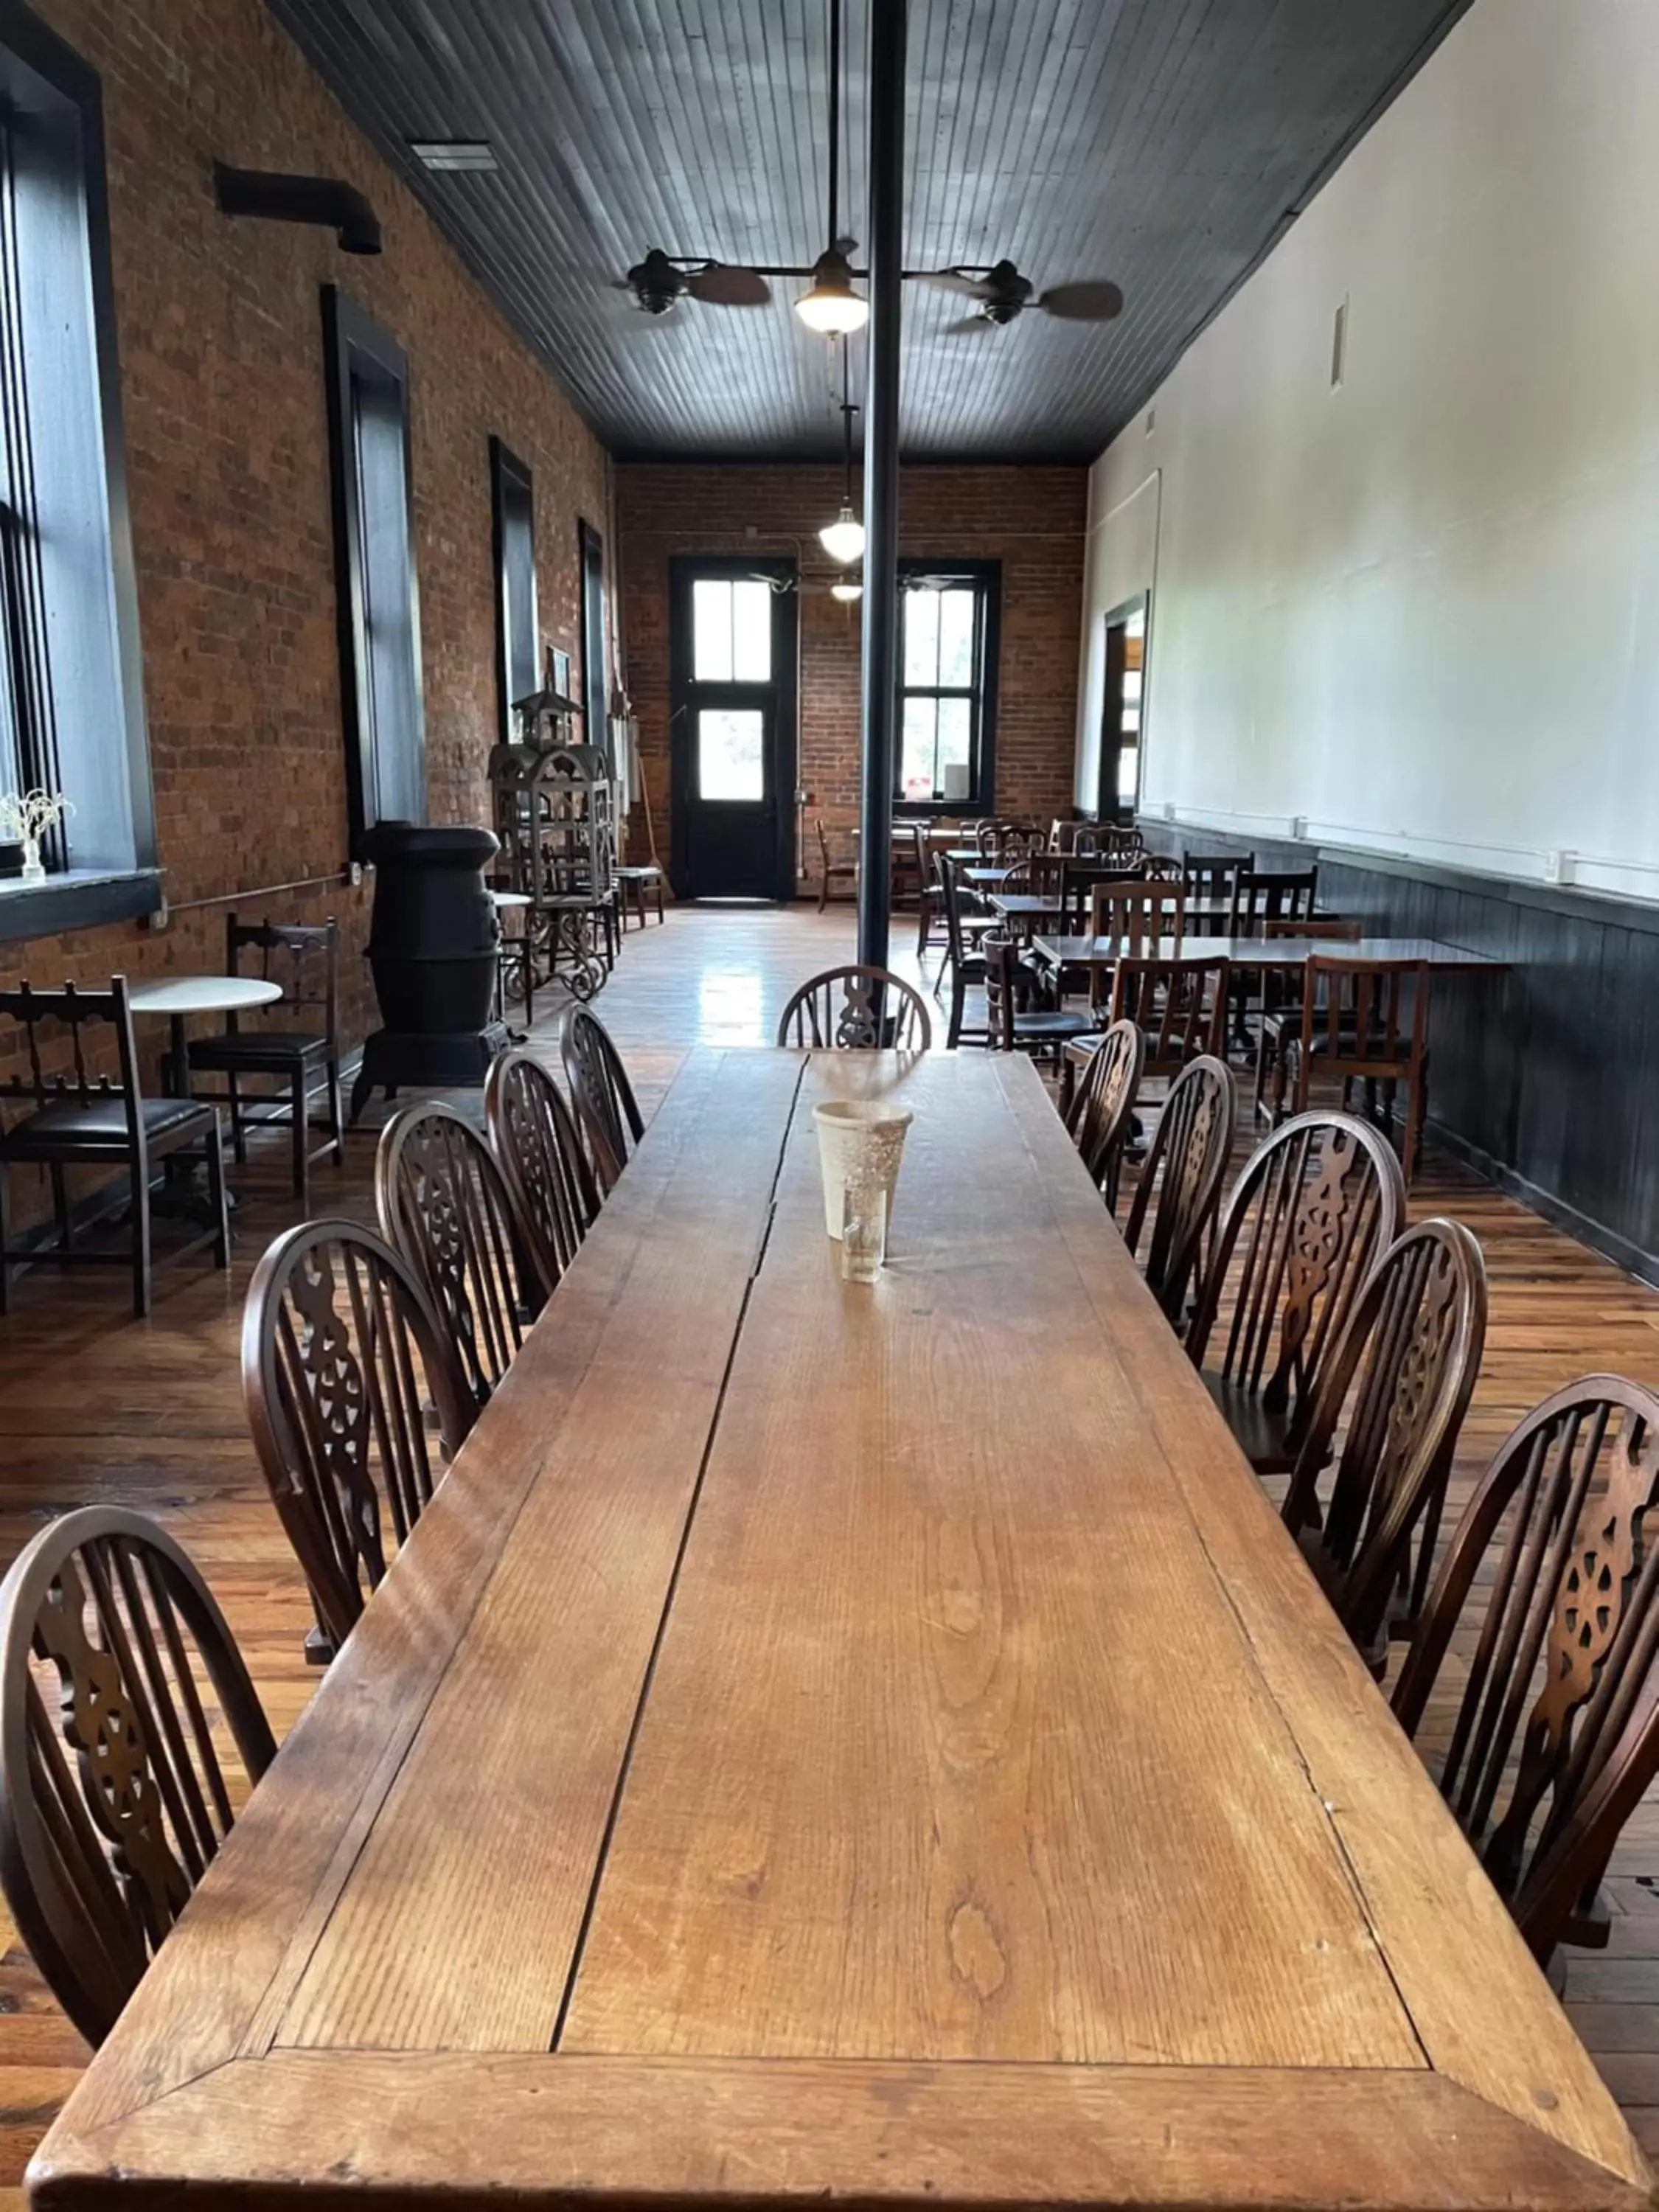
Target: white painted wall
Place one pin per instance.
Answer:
(1423, 610)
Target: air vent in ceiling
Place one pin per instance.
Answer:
(454, 153)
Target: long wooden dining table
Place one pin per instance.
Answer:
(840, 1742)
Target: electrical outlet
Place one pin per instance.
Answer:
(1169, 809)
(1561, 867)
(1299, 826)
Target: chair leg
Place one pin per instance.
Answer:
(1410, 1155)
(336, 1113)
(958, 1000)
(238, 1134)
(141, 1247)
(60, 1206)
(215, 1177)
(300, 1134)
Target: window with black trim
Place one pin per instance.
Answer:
(512, 500)
(71, 702)
(378, 607)
(949, 615)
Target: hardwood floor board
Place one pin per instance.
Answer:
(94, 1405)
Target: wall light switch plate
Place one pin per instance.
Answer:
(1169, 809)
(1561, 867)
(1299, 825)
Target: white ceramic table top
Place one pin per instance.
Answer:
(204, 994)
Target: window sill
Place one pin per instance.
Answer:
(80, 898)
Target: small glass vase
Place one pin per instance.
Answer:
(33, 870)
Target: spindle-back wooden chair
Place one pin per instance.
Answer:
(600, 1090)
(1179, 1186)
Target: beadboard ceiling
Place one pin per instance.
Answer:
(1162, 143)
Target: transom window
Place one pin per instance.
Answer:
(731, 630)
(947, 674)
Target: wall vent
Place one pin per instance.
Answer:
(1339, 347)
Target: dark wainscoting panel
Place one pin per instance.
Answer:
(1545, 1079)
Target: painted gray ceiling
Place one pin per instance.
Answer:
(1162, 143)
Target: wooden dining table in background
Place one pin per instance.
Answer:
(829, 1741)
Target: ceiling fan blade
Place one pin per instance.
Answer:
(1083, 303)
(952, 280)
(723, 286)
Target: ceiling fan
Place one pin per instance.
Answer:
(660, 283)
(1000, 293)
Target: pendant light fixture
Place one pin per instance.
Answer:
(843, 538)
(830, 304)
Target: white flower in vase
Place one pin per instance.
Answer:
(25, 819)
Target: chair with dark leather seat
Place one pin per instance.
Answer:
(80, 1112)
(305, 960)
(1044, 1030)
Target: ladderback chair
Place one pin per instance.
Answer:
(1209, 880)
(1370, 1480)
(857, 1008)
(1179, 1005)
(342, 1355)
(1179, 1187)
(602, 1095)
(1316, 1206)
(1137, 916)
(965, 961)
(1265, 895)
(304, 960)
(1551, 1586)
(535, 1138)
(1012, 1028)
(78, 1112)
(930, 914)
(1102, 1111)
(1360, 1021)
(1038, 875)
(115, 1663)
(445, 1206)
(834, 867)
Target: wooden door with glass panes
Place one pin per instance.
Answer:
(733, 653)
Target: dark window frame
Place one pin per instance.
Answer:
(511, 504)
(986, 577)
(355, 346)
(83, 727)
(596, 697)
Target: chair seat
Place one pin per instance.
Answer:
(640, 871)
(1050, 1024)
(67, 1127)
(257, 1048)
(1260, 1432)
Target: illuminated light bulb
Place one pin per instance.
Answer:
(830, 305)
(843, 538)
(848, 591)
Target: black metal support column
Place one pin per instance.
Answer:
(881, 474)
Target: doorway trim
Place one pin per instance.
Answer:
(683, 569)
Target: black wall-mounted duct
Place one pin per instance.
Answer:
(281, 198)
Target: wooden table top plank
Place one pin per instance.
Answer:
(465, 2129)
(1444, 1926)
(994, 1608)
(506, 1790)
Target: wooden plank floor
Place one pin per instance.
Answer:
(94, 1405)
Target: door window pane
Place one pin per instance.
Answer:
(921, 638)
(955, 639)
(730, 631)
(731, 753)
(916, 753)
(1128, 765)
(955, 734)
(711, 630)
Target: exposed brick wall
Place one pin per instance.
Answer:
(1031, 520)
(221, 340)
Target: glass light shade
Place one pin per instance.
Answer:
(847, 591)
(830, 304)
(843, 538)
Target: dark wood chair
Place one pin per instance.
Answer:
(538, 1144)
(342, 1354)
(77, 1112)
(857, 1008)
(600, 1091)
(930, 909)
(1209, 880)
(1360, 1021)
(835, 868)
(1180, 1006)
(1395, 1391)
(963, 957)
(1036, 875)
(1316, 1206)
(1012, 1027)
(635, 881)
(1265, 895)
(1138, 919)
(114, 1797)
(1550, 1588)
(1101, 1111)
(444, 1204)
(304, 960)
(1179, 1187)
(1163, 868)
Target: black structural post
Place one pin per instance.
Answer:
(881, 474)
